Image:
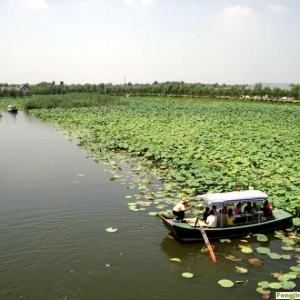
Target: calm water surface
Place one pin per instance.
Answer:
(53, 239)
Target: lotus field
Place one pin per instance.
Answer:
(196, 145)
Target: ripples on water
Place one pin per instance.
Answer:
(53, 239)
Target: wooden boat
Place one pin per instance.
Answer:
(12, 108)
(190, 231)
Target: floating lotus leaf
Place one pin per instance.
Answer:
(275, 285)
(274, 255)
(225, 240)
(288, 285)
(263, 291)
(241, 270)
(128, 197)
(153, 213)
(295, 269)
(286, 247)
(226, 283)
(175, 259)
(288, 276)
(233, 258)
(80, 175)
(255, 261)
(296, 221)
(261, 237)
(278, 233)
(263, 250)
(110, 229)
(263, 284)
(286, 256)
(246, 250)
(244, 241)
(297, 249)
(187, 275)
(288, 241)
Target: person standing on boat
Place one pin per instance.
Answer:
(179, 209)
(212, 219)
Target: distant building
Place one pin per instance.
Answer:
(24, 89)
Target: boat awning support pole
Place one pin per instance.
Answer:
(208, 245)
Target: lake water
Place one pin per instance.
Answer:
(55, 206)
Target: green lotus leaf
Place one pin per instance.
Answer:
(288, 285)
(187, 275)
(261, 237)
(110, 229)
(263, 284)
(286, 256)
(275, 285)
(263, 250)
(128, 197)
(287, 247)
(287, 276)
(295, 269)
(288, 241)
(296, 221)
(246, 250)
(153, 213)
(225, 240)
(226, 283)
(262, 291)
(175, 259)
(274, 255)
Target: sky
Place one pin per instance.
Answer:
(142, 41)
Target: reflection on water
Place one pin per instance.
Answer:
(53, 239)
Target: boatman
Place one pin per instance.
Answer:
(179, 210)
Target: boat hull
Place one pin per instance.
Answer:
(187, 233)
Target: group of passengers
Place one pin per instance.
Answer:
(227, 216)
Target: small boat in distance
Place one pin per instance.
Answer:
(12, 108)
(244, 224)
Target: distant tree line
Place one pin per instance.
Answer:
(178, 89)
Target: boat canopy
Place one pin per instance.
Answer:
(229, 197)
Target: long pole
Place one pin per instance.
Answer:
(208, 245)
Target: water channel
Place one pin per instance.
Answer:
(55, 206)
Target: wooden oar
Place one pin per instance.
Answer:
(208, 245)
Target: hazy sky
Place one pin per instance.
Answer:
(103, 41)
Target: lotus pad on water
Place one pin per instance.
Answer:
(288, 285)
(226, 283)
(110, 229)
(263, 250)
(246, 250)
(275, 285)
(187, 275)
(262, 291)
(274, 255)
(175, 259)
(261, 237)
